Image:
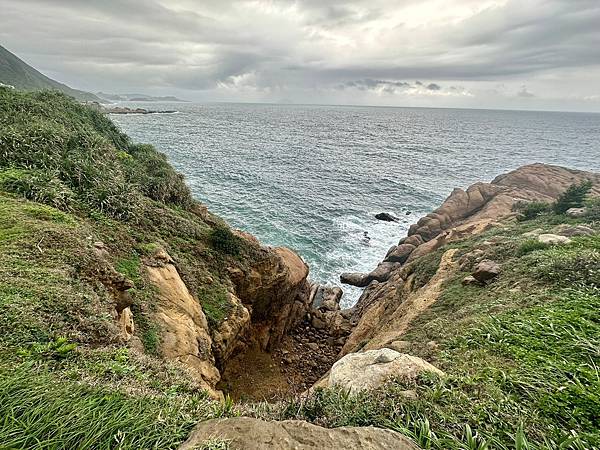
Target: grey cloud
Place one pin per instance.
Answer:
(309, 45)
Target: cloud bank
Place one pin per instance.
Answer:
(472, 53)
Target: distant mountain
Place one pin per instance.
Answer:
(137, 98)
(17, 73)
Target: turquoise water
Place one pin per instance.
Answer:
(312, 177)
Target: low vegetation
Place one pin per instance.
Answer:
(69, 179)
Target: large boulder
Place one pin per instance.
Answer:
(400, 253)
(357, 279)
(245, 433)
(371, 369)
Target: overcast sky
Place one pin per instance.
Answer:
(526, 54)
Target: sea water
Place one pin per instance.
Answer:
(312, 178)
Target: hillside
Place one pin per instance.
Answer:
(131, 317)
(17, 73)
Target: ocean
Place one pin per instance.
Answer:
(313, 177)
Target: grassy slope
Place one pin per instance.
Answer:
(17, 73)
(68, 179)
(522, 354)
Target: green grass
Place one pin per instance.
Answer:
(69, 179)
(37, 412)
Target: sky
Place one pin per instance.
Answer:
(516, 54)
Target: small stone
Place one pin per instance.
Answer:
(576, 212)
(469, 281)
(313, 346)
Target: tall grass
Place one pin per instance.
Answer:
(37, 412)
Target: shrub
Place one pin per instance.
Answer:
(530, 245)
(223, 240)
(593, 209)
(573, 197)
(533, 210)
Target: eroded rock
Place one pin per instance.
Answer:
(245, 433)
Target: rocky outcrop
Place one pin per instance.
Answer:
(184, 332)
(276, 293)
(392, 301)
(371, 369)
(245, 433)
(386, 217)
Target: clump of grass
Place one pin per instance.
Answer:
(566, 265)
(58, 152)
(530, 245)
(215, 303)
(532, 210)
(38, 412)
(426, 268)
(130, 267)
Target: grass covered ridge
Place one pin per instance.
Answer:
(68, 180)
(522, 355)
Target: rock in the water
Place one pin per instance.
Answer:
(486, 270)
(576, 212)
(246, 433)
(387, 217)
(553, 239)
(371, 369)
(355, 279)
(400, 253)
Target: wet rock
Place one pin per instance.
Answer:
(387, 217)
(486, 270)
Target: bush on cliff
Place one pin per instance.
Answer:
(70, 156)
(573, 197)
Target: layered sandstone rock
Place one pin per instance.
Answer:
(245, 433)
(184, 332)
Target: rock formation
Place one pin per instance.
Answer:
(253, 434)
(469, 212)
